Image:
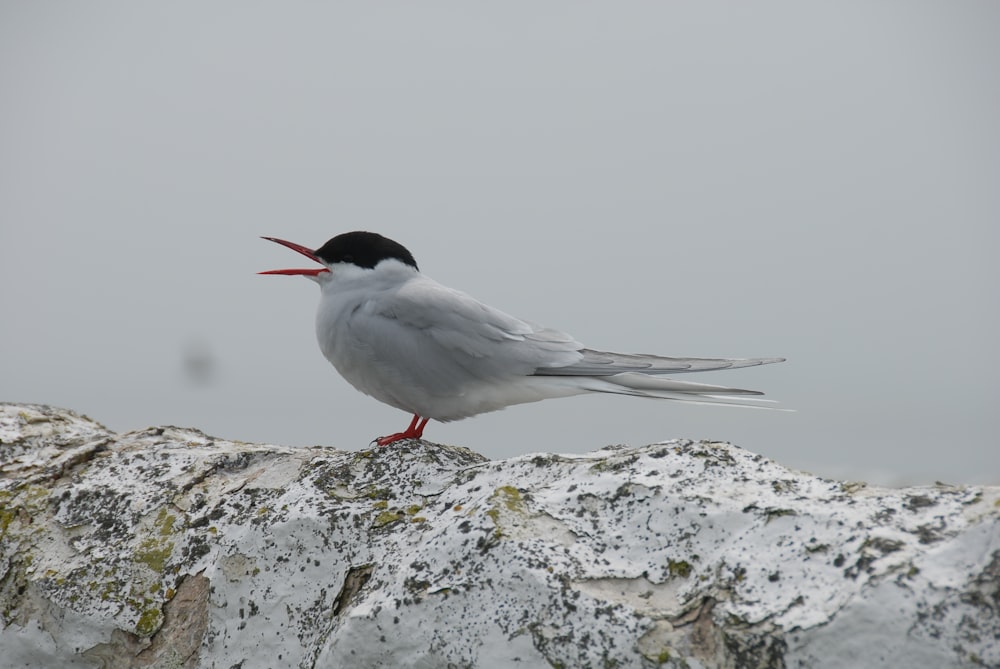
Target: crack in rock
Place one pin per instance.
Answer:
(355, 579)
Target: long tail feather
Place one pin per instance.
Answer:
(606, 363)
(642, 385)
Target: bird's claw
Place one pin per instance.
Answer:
(382, 442)
(414, 431)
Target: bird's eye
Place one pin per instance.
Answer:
(347, 258)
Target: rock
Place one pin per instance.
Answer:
(169, 548)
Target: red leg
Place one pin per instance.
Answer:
(414, 431)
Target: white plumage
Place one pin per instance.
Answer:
(435, 352)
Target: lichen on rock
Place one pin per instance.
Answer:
(167, 547)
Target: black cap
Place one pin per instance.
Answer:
(364, 249)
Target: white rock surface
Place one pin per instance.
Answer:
(170, 548)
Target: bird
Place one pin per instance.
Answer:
(435, 352)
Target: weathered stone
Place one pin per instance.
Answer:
(169, 548)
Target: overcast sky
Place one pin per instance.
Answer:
(814, 181)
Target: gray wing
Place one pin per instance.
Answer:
(457, 332)
(603, 363)
(456, 338)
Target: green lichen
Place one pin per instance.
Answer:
(35, 496)
(386, 518)
(165, 523)
(680, 568)
(153, 554)
(381, 504)
(7, 516)
(155, 551)
(510, 497)
(109, 590)
(28, 501)
(661, 657)
(149, 622)
(505, 497)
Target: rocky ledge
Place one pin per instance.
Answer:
(170, 548)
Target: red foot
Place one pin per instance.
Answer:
(414, 431)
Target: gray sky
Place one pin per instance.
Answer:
(820, 182)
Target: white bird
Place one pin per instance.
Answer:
(435, 352)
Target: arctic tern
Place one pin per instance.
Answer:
(435, 352)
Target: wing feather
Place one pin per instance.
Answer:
(456, 329)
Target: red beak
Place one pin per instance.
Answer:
(301, 249)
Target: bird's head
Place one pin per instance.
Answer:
(361, 250)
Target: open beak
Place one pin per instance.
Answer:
(301, 249)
